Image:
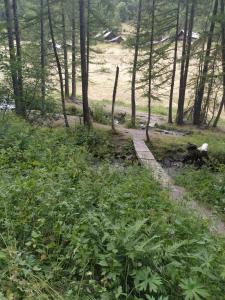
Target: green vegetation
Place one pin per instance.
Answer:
(205, 186)
(163, 144)
(100, 115)
(156, 109)
(76, 228)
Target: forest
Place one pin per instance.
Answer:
(112, 149)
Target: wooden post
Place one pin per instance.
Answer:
(114, 97)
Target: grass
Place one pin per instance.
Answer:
(205, 186)
(156, 109)
(72, 227)
(164, 143)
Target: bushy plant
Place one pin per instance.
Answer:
(100, 115)
(71, 229)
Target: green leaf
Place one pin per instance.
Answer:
(3, 256)
(192, 290)
(145, 280)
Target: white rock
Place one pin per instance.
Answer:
(204, 147)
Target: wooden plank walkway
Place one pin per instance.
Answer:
(147, 159)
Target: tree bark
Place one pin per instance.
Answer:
(179, 119)
(222, 104)
(12, 55)
(43, 83)
(88, 40)
(150, 70)
(66, 71)
(133, 84)
(19, 59)
(58, 64)
(189, 41)
(114, 98)
(201, 86)
(74, 86)
(170, 114)
(86, 113)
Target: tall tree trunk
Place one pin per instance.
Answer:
(12, 55)
(114, 97)
(201, 86)
(74, 86)
(88, 40)
(66, 74)
(86, 113)
(179, 119)
(206, 104)
(133, 84)
(170, 114)
(58, 64)
(19, 59)
(150, 69)
(43, 83)
(222, 104)
(189, 40)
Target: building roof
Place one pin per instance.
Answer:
(195, 35)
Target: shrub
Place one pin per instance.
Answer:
(71, 229)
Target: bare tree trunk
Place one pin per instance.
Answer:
(179, 118)
(12, 55)
(88, 40)
(133, 84)
(222, 104)
(74, 86)
(205, 110)
(67, 90)
(201, 87)
(58, 64)
(86, 113)
(206, 105)
(43, 84)
(150, 69)
(189, 40)
(170, 114)
(114, 97)
(19, 59)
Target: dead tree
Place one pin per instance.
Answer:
(133, 84)
(18, 59)
(43, 83)
(170, 114)
(150, 65)
(73, 96)
(114, 98)
(222, 104)
(58, 64)
(66, 70)
(202, 82)
(86, 113)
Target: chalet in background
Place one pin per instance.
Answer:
(195, 35)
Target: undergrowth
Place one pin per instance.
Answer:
(70, 229)
(205, 185)
(162, 144)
